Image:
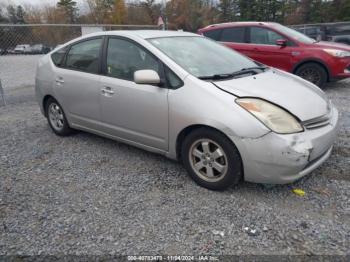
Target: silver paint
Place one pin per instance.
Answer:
(152, 118)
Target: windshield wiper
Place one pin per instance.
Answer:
(215, 77)
(243, 71)
(263, 68)
(247, 70)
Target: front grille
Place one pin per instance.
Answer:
(317, 122)
(320, 121)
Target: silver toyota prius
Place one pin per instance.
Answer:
(189, 98)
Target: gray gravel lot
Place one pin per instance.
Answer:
(89, 195)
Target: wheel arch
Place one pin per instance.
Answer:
(44, 101)
(187, 130)
(312, 60)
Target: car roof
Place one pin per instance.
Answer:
(144, 34)
(231, 24)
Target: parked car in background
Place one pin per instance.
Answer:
(225, 116)
(334, 32)
(284, 48)
(22, 49)
(10, 50)
(311, 31)
(39, 49)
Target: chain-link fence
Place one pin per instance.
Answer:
(22, 45)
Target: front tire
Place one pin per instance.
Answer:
(56, 118)
(313, 73)
(211, 159)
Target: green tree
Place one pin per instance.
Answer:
(20, 15)
(11, 13)
(246, 9)
(340, 10)
(229, 10)
(3, 19)
(69, 8)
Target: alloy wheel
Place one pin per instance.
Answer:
(56, 117)
(208, 160)
(311, 74)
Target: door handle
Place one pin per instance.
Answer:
(107, 91)
(59, 80)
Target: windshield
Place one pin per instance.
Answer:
(294, 34)
(201, 56)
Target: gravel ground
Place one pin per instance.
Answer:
(89, 195)
(18, 70)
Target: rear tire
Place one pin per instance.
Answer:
(211, 159)
(313, 73)
(56, 118)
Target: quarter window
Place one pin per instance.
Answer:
(173, 80)
(234, 34)
(263, 36)
(84, 56)
(125, 57)
(213, 34)
(57, 57)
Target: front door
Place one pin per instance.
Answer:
(263, 48)
(134, 112)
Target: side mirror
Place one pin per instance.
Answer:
(281, 42)
(146, 77)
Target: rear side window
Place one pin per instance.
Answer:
(84, 56)
(57, 57)
(234, 34)
(213, 34)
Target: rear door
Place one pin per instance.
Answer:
(236, 38)
(263, 48)
(77, 82)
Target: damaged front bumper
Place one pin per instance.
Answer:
(280, 159)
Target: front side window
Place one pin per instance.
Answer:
(293, 34)
(234, 34)
(125, 57)
(84, 56)
(263, 36)
(201, 56)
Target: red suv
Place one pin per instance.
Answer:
(284, 48)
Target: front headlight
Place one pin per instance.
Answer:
(274, 117)
(337, 53)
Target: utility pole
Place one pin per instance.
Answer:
(165, 19)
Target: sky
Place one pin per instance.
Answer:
(38, 2)
(35, 2)
(81, 3)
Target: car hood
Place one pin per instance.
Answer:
(303, 99)
(333, 45)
